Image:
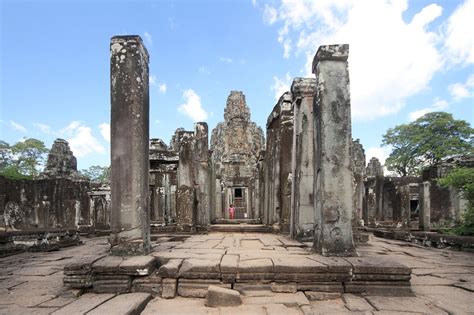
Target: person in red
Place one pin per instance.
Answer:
(231, 211)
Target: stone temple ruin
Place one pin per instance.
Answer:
(305, 178)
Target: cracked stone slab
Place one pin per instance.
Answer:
(289, 299)
(403, 304)
(84, 304)
(356, 303)
(127, 304)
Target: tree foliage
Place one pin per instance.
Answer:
(97, 174)
(427, 141)
(462, 178)
(22, 159)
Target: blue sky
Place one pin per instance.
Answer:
(406, 58)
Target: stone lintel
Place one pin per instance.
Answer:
(303, 87)
(331, 52)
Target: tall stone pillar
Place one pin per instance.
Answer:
(404, 197)
(358, 168)
(374, 191)
(202, 179)
(332, 143)
(185, 207)
(425, 206)
(303, 91)
(286, 142)
(130, 216)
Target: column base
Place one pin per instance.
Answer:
(131, 248)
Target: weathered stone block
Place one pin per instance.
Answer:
(150, 284)
(255, 269)
(107, 265)
(222, 297)
(169, 287)
(111, 284)
(197, 288)
(170, 269)
(200, 269)
(321, 296)
(138, 265)
(321, 286)
(284, 287)
(377, 265)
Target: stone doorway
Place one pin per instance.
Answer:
(238, 197)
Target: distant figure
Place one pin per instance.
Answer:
(231, 211)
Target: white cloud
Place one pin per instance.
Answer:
(81, 140)
(157, 121)
(254, 3)
(148, 38)
(152, 79)
(105, 131)
(17, 126)
(162, 88)
(281, 86)
(154, 83)
(193, 108)
(270, 14)
(43, 127)
(390, 59)
(462, 90)
(459, 44)
(204, 70)
(438, 105)
(380, 153)
(225, 59)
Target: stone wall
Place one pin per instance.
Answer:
(277, 169)
(44, 203)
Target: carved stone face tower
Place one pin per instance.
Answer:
(235, 145)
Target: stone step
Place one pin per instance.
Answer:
(237, 221)
(243, 228)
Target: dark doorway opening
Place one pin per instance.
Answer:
(238, 193)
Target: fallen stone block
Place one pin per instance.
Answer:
(222, 297)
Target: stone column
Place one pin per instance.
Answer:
(332, 142)
(358, 165)
(425, 206)
(130, 217)
(374, 191)
(404, 193)
(303, 91)
(185, 192)
(286, 144)
(201, 156)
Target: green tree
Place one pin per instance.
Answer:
(427, 141)
(97, 173)
(5, 155)
(28, 155)
(462, 178)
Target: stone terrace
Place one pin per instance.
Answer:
(442, 280)
(186, 265)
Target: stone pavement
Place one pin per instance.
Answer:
(442, 280)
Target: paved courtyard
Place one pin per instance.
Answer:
(442, 281)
